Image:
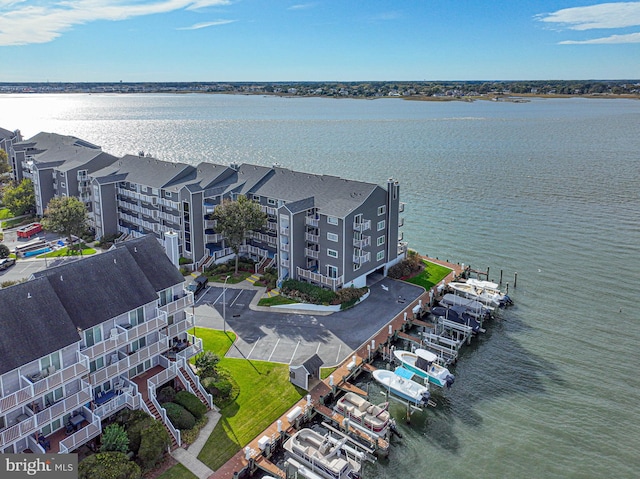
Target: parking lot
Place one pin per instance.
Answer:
(292, 337)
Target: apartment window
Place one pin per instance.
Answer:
(96, 364)
(166, 296)
(271, 201)
(63, 185)
(380, 240)
(53, 397)
(92, 336)
(382, 210)
(332, 237)
(381, 225)
(332, 271)
(138, 343)
(380, 256)
(332, 220)
(332, 253)
(51, 361)
(256, 198)
(136, 317)
(167, 194)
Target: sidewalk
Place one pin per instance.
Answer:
(189, 457)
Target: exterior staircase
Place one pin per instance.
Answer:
(156, 415)
(194, 386)
(253, 278)
(273, 292)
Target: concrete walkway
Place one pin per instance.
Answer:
(189, 458)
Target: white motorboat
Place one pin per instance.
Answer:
(400, 384)
(425, 365)
(476, 293)
(324, 455)
(490, 287)
(473, 307)
(360, 411)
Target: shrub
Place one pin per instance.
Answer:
(4, 251)
(307, 293)
(166, 394)
(179, 416)
(108, 465)
(347, 297)
(206, 363)
(114, 438)
(134, 432)
(182, 261)
(154, 442)
(191, 403)
(407, 267)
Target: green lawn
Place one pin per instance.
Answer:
(233, 278)
(431, 275)
(66, 252)
(275, 300)
(265, 394)
(177, 472)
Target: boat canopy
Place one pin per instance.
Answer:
(426, 355)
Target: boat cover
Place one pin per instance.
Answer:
(403, 373)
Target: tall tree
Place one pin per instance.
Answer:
(235, 220)
(20, 198)
(5, 167)
(66, 215)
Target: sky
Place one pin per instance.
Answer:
(347, 40)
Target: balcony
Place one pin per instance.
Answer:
(35, 422)
(312, 238)
(284, 230)
(362, 225)
(125, 364)
(120, 336)
(272, 226)
(137, 196)
(401, 207)
(284, 262)
(312, 221)
(318, 278)
(178, 304)
(403, 247)
(171, 204)
(210, 224)
(363, 242)
(269, 210)
(401, 223)
(181, 327)
(213, 238)
(361, 258)
(312, 253)
(85, 434)
(43, 384)
(284, 247)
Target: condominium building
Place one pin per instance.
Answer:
(327, 230)
(75, 340)
(7, 140)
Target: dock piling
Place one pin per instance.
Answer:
(515, 279)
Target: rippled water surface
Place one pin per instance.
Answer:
(548, 189)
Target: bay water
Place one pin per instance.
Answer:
(549, 189)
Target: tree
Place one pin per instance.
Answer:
(108, 465)
(114, 438)
(20, 198)
(235, 219)
(153, 443)
(5, 167)
(4, 251)
(66, 215)
(206, 363)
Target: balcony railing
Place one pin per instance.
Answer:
(284, 230)
(311, 221)
(178, 304)
(210, 224)
(284, 247)
(362, 225)
(269, 210)
(73, 442)
(137, 196)
(362, 243)
(44, 417)
(361, 258)
(44, 385)
(171, 204)
(246, 248)
(312, 253)
(131, 361)
(401, 222)
(185, 365)
(312, 238)
(121, 336)
(180, 327)
(333, 283)
(403, 247)
(401, 207)
(272, 225)
(213, 238)
(190, 351)
(284, 262)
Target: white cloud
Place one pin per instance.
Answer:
(33, 21)
(215, 23)
(604, 15)
(301, 6)
(613, 39)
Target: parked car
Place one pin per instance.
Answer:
(6, 263)
(198, 284)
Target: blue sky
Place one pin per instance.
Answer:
(275, 40)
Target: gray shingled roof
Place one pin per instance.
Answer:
(147, 171)
(151, 258)
(96, 289)
(33, 323)
(313, 365)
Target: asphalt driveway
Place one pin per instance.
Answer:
(292, 337)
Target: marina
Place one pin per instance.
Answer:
(354, 429)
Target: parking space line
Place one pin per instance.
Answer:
(338, 355)
(202, 295)
(274, 349)
(294, 352)
(318, 348)
(254, 347)
(234, 299)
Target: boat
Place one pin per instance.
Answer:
(400, 384)
(483, 295)
(360, 411)
(457, 316)
(324, 455)
(425, 365)
(491, 287)
(473, 307)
